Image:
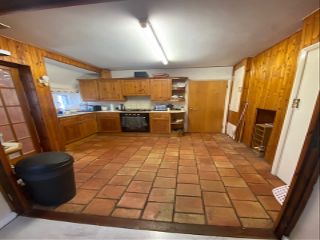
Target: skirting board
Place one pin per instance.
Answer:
(8, 218)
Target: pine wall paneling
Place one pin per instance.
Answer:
(30, 59)
(269, 81)
(310, 30)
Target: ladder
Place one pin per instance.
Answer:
(239, 127)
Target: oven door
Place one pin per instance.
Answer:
(134, 123)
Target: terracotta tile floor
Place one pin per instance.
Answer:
(198, 178)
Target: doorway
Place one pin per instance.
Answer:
(206, 106)
(16, 124)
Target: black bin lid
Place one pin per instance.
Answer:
(43, 162)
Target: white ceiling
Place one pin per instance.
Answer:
(194, 33)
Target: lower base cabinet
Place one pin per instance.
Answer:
(159, 122)
(108, 122)
(75, 128)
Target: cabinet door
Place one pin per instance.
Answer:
(89, 90)
(110, 89)
(108, 122)
(161, 89)
(71, 132)
(143, 87)
(88, 127)
(135, 87)
(160, 122)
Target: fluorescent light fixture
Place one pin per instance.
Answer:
(154, 41)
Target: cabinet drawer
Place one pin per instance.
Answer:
(108, 115)
(159, 115)
(87, 116)
(69, 120)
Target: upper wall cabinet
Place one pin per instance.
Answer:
(89, 89)
(135, 87)
(161, 89)
(110, 90)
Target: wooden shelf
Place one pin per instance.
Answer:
(177, 123)
(178, 89)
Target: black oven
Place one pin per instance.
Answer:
(134, 122)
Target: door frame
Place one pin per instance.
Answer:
(304, 179)
(289, 114)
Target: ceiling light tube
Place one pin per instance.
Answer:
(154, 41)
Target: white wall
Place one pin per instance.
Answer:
(6, 215)
(210, 73)
(64, 77)
(308, 224)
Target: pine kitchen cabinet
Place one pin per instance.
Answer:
(108, 122)
(110, 89)
(89, 89)
(88, 124)
(161, 89)
(70, 129)
(74, 128)
(160, 122)
(135, 87)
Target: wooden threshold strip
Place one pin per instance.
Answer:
(208, 230)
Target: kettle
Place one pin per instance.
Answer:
(122, 107)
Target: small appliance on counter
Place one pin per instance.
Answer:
(160, 107)
(122, 107)
(94, 108)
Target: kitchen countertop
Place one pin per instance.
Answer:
(116, 111)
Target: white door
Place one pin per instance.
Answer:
(237, 89)
(297, 120)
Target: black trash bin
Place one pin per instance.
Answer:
(49, 177)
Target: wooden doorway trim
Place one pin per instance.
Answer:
(13, 192)
(304, 179)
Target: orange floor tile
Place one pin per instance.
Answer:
(198, 179)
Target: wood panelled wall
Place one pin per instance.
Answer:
(310, 30)
(31, 63)
(269, 79)
(270, 82)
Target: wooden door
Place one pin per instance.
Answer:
(110, 90)
(89, 89)
(206, 106)
(161, 89)
(16, 123)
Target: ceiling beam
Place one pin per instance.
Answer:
(9, 6)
